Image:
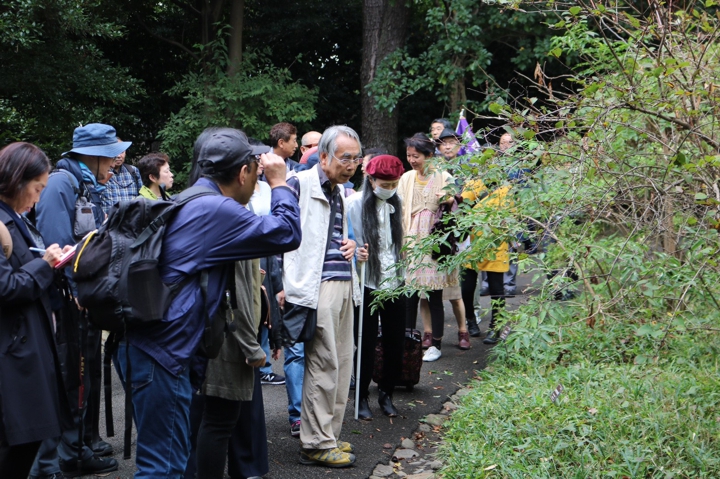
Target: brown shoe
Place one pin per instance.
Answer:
(427, 340)
(464, 340)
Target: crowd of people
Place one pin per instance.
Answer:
(289, 249)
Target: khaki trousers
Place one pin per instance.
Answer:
(328, 366)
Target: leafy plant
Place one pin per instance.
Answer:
(254, 99)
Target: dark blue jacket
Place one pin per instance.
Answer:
(208, 233)
(55, 212)
(29, 382)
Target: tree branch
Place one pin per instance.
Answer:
(167, 40)
(680, 123)
(186, 7)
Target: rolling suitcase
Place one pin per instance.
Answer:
(412, 359)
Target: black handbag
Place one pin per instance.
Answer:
(300, 322)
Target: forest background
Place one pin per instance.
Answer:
(610, 368)
(162, 71)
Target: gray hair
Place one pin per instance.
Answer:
(328, 141)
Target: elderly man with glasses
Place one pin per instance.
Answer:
(318, 277)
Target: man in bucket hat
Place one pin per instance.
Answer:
(82, 169)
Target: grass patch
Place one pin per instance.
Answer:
(617, 416)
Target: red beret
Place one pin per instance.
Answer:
(385, 167)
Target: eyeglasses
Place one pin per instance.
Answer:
(347, 159)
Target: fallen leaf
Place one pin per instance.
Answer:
(592, 410)
(490, 468)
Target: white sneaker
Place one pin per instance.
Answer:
(432, 354)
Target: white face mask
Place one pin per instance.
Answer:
(384, 194)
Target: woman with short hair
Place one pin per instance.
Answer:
(29, 379)
(423, 191)
(156, 176)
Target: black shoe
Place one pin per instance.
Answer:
(272, 379)
(92, 465)
(473, 327)
(352, 382)
(364, 412)
(102, 449)
(386, 405)
(492, 337)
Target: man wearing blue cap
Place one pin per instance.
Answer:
(70, 207)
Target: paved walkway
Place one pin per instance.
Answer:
(374, 441)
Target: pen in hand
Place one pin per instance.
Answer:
(37, 250)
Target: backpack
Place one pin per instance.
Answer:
(118, 281)
(116, 267)
(84, 219)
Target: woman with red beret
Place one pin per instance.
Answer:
(376, 217)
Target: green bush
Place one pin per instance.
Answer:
(624, 184)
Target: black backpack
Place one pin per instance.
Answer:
(116, 267)
(118, 282)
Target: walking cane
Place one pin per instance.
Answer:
(81, 389)
(360, 334)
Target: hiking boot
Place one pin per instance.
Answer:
(272, 379)
(92, 465)
(427, 340)
(432, 354)
(295, 429)
(473, 327)
(464, 340)
(326, 457)
(345, 447)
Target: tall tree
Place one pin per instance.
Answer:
(385, 25)
(53, 75)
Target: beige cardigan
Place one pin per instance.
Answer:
(406, 186)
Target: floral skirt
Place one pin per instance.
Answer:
(424, 274)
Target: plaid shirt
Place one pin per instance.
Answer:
(123, 186)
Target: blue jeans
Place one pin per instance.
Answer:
(161, 403)
(294, 371)
(265, 344)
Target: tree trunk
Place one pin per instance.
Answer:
(458, 96)
(385, 24)
(237, 13)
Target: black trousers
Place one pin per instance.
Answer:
(437, 313)
(16, 461)
(248, 451)
(219, 418)
(232, 429)
(391, 315)
(496, 288)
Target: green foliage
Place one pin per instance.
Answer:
(622, 191)
(468, 42)
(253, 100)
(53, 76)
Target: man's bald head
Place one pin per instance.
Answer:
(309, 140)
